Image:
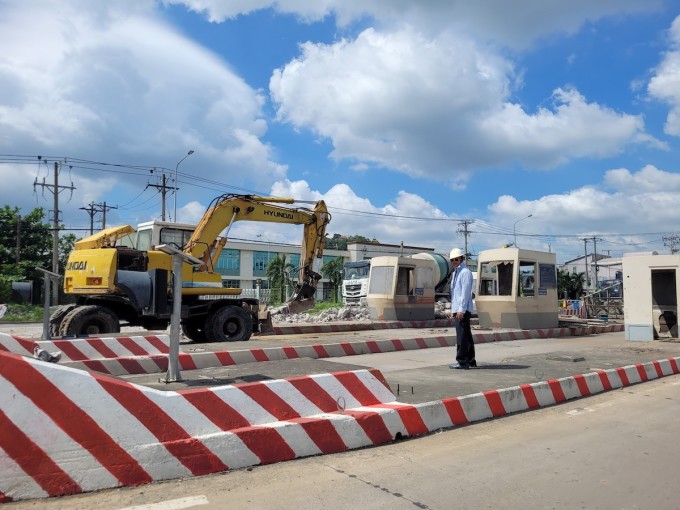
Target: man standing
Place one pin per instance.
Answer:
(461, 309)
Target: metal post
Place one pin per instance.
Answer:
(46, 308)
(48, 277)
(173, 374)
(514, 229)
(55, 231)
(174, 218)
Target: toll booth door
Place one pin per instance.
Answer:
(664, 303)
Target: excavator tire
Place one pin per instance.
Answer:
(89, 320)
(57, 318)
(194, 330)
(229, 324)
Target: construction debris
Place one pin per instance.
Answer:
(349, 313)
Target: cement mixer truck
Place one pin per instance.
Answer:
(355, 281)
(406, 288)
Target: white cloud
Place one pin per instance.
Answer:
(391, 223)
(639, 202)
(648, 180)
(665, 85)
(113, 80)
(437, 108)
(573, 128)
(516, 24)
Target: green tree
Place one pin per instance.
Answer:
(333, 271)
(338, 242)
(34, 241)
(66, 243)
(572, 283)
(277, 272)
(33, 236)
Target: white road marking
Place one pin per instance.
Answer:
(172, 504)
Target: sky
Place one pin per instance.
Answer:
(553, 126)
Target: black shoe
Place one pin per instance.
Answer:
(473, 364)
(459, 366)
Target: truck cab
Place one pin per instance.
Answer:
(355, 282)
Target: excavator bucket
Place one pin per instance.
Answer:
(264, 319)
(301, 300)
(300, 306)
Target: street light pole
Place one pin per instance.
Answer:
(514, 230)
(176, 188)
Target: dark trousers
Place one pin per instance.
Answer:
(465, 345)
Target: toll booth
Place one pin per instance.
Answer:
(650, 287)
(403, 288)
(517, 288)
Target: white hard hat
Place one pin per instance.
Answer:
(455, 253)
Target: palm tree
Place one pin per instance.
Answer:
(333, 271)
(277, 272)
(571, 282)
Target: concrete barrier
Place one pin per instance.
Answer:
(91, 348)
(65, 431)
(191, 361)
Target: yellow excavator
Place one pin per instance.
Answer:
(119, 275)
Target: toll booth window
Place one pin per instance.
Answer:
(424, 278)
(505, 273)
(405, 281)
(381, 280)
(495, 278)
(527, 278)
(488, 281)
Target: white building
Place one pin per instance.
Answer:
(243, 264)
(590, 265)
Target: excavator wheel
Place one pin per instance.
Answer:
(89, 320)
(194, 330)
(57, 318)
(229, 324)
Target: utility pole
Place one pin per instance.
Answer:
(103, 208)
(55, 189)
(595, 260)
(585, 262)
(18, 252)
(164, 189)
(91, 211)
(464, 230)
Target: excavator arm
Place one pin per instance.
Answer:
(227, 209)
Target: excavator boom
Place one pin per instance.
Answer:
(227, 209)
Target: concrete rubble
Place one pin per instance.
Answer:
(355, 313)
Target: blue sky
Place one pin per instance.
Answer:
(405, 116)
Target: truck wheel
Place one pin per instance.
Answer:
(194, 331)
(58, 317)
(89, 320)
(229, 324)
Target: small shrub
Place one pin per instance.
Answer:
(23, 313)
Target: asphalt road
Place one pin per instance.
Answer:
(423, 375)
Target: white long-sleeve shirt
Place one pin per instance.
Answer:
(461, 290)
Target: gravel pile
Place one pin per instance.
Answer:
(357, 313)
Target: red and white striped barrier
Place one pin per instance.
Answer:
(79, 349)
(193, 361)
(581, 313)
(63, 431)
(282, 328)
